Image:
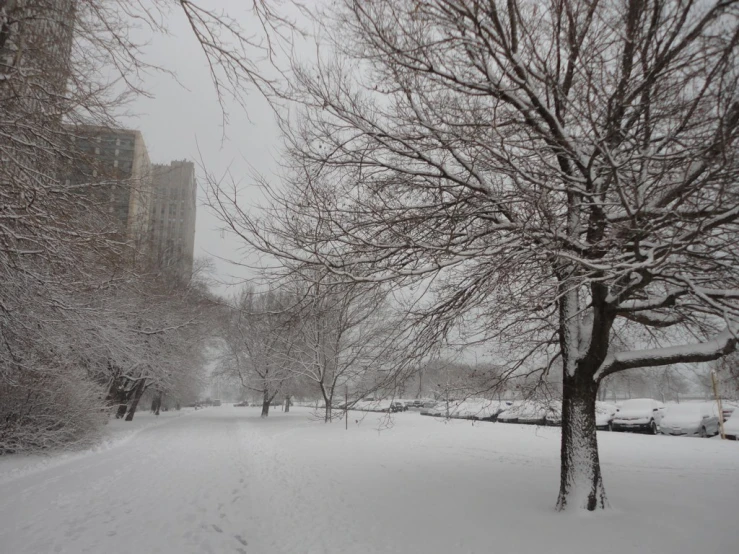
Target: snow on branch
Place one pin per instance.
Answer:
(722, 344)
(666, 301)
(654, 319)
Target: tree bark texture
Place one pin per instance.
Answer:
(265, 404)
(581, 482)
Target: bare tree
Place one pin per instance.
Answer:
(259, 342)
(344, 332)
(563, 171)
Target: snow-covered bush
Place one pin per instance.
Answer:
(49, 411)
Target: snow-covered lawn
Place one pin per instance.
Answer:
(223, 480)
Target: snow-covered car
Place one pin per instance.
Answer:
(432, 409)
(728, 409)
(692, 419)
(639, 414)
(553, 413)
(530, 412)
(731, 427)
(480, 409)
(604, 414)
(369, 405)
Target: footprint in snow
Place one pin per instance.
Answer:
(241, 540)
(216, 528)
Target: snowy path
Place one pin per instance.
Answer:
(223, 481)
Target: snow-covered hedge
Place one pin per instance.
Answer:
(39, 412)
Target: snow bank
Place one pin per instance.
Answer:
(117, 433)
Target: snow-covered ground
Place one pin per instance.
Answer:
(117, 432)
(223, 480)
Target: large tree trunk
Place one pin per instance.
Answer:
(581, 483)
(137, 393)
(265, 404)
(287, 403)
(121, 411)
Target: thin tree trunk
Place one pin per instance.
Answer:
(287, 403)
(137, 393)
(158, 402)
(581, 483)
(117, 395)
(327, 401)
(265, 404)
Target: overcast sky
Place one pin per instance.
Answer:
(184, 121)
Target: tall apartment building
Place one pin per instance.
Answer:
(35, 47)
(115, 162)
(172, 236)
(36, 38)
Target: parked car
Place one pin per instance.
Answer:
(553, 413)
(731, 427)
(398, 407)
(531, 412)
(242, 404)
(728, 409)
(479, 409)
(433, 408)
(639, 414)
(604, 414)
(693, 419)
